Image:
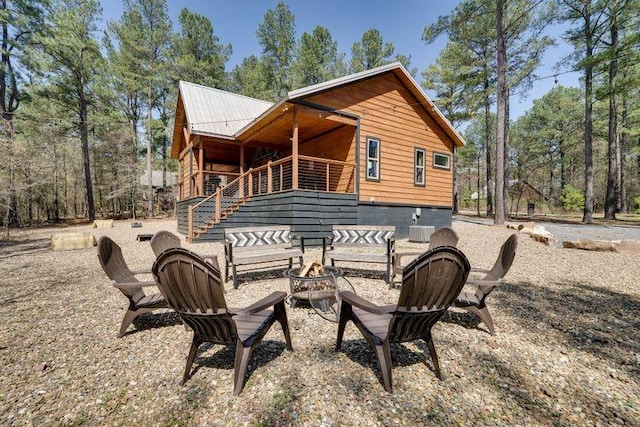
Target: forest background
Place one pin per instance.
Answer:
(87, 108)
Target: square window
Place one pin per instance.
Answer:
(442, 161)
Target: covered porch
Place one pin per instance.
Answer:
(289, 147)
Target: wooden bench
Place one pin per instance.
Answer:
(361, 243)
(256, 245)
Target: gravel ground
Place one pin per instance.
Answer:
(567, 351)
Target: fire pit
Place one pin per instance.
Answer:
(315, 285)
(313, 282)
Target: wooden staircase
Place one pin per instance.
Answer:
(208, 225)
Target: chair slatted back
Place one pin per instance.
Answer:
(115, 267)
(505, 258)
(163, 240)
(430, 285)
(443, 236)
(193, 288)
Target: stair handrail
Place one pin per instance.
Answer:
(218, 193)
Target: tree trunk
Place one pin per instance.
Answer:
(611, 198)
(501, 114)
(478, 187)
(11, 219)
(134, 168)
(587, 216)
(84, 140)
(487, 150)
(622, 146)
(149, 163)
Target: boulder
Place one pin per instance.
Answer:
(628, 247)
(591, 245)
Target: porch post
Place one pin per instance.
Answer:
(200, 167)
(241, 183)
(294, 150)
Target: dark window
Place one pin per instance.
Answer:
(373, 159)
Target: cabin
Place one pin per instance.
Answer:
(369, 148)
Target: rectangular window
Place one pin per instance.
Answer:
(442, 161)
(418, 166)
(373, 159)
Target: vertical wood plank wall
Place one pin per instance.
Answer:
(389, 112)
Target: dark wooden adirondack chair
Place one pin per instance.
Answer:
(444, 236)
(163, 240)
(193, 288)
(475, 302)
(430, 284)
(114, 265)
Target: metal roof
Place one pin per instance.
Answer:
(216, 112)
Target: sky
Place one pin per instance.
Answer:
(400, 22)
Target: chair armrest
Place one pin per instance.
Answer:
(483, 284)
(266, 302)
(133, 285)
(357, 301)
(145, 271)
(399, 256)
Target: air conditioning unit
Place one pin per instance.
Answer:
(420, 233)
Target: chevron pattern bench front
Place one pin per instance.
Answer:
(361, 243)
(257, 245)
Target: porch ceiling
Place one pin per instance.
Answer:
(277, 128)
(274, 131)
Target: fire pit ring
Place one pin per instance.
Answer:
(320, 292)
(305, 288)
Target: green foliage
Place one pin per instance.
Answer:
(276, 35)
(572, 199)
(636, 204)
(317, 59)
(370, 52)
(196, 54)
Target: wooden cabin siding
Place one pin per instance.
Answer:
(389, 112)
(337, 145)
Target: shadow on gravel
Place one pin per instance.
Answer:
(361, 352)
(224, 357)
(149, 321)
(589, 318)
(20, 248)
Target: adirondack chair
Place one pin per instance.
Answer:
(443, 236)
(430, 284)
(475, 302)
(163, 240)
(114, 265)
(193, 288)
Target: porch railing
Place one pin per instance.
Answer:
(314, 174)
